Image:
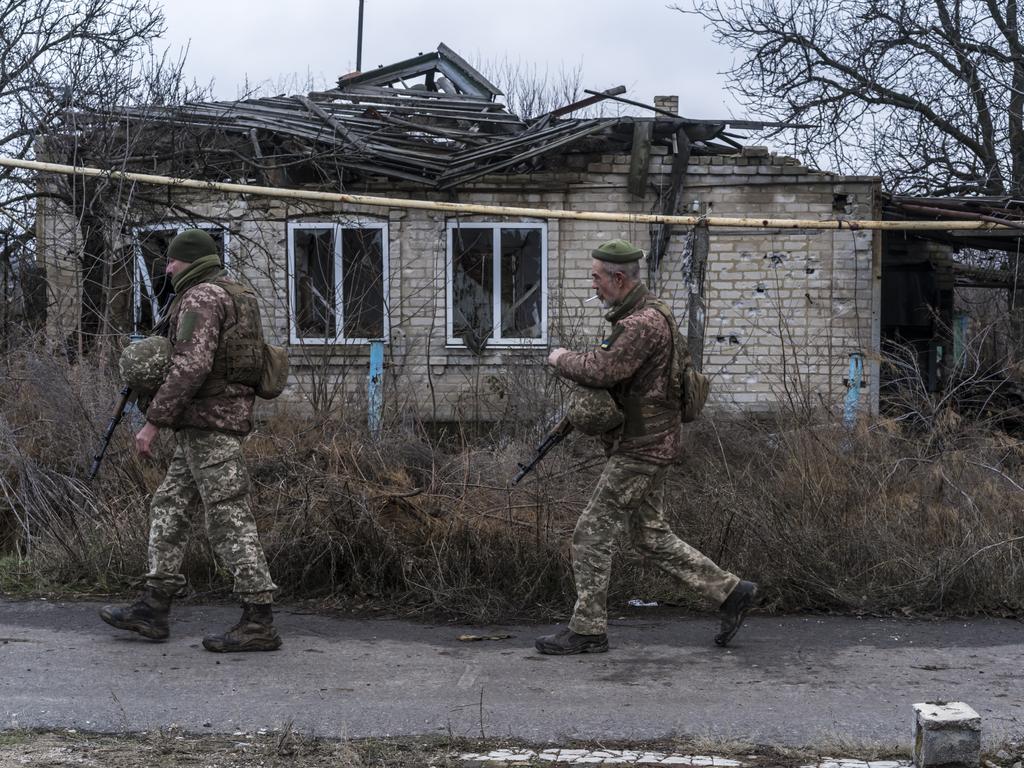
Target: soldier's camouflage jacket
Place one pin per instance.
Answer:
(635, 364)
(196, 320)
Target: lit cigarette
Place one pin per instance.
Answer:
(592, 298)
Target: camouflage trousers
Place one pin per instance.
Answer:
(630, 498)
(207, 467)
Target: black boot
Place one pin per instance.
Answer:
(567, 642)
(147, 615)
(253, 632)
(734, 610)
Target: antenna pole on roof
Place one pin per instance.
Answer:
(359, 39)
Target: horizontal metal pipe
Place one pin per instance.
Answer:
(500, 210)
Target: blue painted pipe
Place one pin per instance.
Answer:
(853, 384)
(375, 392)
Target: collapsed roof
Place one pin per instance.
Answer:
(983, 258)
(1005, 211)
(432, 120)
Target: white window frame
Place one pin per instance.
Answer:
(339, 299)
(495, 339)
(142, 275)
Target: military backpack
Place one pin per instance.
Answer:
(689, 386)
(242, 356)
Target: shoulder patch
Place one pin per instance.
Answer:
(186, 325)
(615, 333)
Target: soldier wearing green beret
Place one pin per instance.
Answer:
(637, 364)
(203, 386)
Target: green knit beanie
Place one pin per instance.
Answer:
(190, 245)
(617, 252)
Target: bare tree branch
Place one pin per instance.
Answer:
(928, 94)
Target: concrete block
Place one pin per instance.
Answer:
(946, 733)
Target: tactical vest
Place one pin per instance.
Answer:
(648, 418)
(239, 355)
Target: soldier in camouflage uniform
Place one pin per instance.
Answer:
(207, 398)
(636, 364)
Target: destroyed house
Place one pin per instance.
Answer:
(468, 305)
(948, 295)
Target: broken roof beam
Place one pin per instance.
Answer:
(633, 103)
(640, 158)
(470, 156)
(955, 214)
(340, 129)
(455, 135)
(361, 92)
(723, 136)
(390, 73)
(587, 102)
(746, 124)
(449, 180)
(444, 60)
(369, 93)
(453, 64)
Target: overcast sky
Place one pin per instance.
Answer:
(641, 44)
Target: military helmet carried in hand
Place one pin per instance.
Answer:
(594, 411)
(144, 364)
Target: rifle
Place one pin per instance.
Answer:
(558, 433)
(115, 419)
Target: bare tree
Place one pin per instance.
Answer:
(57, 59)
(928, 94)
(531, 91)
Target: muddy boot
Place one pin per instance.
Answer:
(147, 615)
(567, 642)
(253, 632)
(734, 610)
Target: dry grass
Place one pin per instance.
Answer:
(911, 515)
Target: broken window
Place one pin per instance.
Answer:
(151, 286)
(497, 286)
(336, 282)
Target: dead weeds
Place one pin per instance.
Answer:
(904, 515)
(170, 748)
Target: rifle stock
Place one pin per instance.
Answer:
(115, 419)
(557, 434)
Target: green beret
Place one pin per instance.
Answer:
(190, 245)
(618, 252)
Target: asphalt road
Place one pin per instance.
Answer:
(787, 680)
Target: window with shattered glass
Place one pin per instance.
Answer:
(497, 285)
(151, 287)
(336, 282)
